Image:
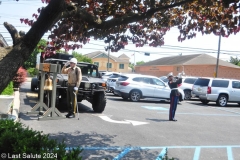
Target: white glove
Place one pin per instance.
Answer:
(179, 75)
(67, 63)
(75, 88)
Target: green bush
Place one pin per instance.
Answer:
(16, 139)
(32, 71)
(8, 90)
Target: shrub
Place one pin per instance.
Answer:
(8, 90)
(19, 78)
(32, 71)
(18, 139)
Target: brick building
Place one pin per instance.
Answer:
(200, 65)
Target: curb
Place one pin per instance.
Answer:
(16, 105)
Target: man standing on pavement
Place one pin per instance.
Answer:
(74, 80)
(174, 95)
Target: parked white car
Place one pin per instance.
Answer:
(111, 82)
(137, 87)
(218, 90)
(106, 75)
(187, 85)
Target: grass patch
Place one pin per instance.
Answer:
(8, 90)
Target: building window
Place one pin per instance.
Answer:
(121, 66)
(96, 63)
(109, 65)
(178, 68)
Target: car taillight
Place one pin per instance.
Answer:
(179, 85)
(209, 90)
(124, 83)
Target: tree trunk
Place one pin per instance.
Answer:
(24, 46)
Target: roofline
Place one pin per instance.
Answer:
(190, 65)
(105, 54)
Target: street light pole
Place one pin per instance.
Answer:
(219, 45)
(108, 56)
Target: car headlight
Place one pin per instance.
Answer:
(87, 85)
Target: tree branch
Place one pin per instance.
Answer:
(13, 32)
(93, 23)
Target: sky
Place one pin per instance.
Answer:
(11, 12)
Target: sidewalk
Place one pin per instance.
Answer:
(16, 103)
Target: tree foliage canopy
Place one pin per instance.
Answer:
(81, 58)
(235, 60)
(139, 21)
(31, 62)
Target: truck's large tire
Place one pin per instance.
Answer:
(99, 102)
(34, 83)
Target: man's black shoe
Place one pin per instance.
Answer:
(174, 120)
(71, 116)
(67, 115)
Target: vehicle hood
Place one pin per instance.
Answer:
(84, 78)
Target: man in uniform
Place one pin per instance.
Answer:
(174, 95)
(74, 80)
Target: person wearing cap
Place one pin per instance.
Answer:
(74, 80)
(174, 95)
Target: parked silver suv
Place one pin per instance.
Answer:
(218, 90)
(136, 87)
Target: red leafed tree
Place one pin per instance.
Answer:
(19, 77)
(145, 21)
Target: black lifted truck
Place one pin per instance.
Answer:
(92, 87)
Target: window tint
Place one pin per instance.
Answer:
(122, 78)
(190, 80)
(235, 84)
(202, 82)
(220, 83)
(158, 82)
(138, 79)
(146, 80)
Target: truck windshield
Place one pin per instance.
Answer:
(88, 70)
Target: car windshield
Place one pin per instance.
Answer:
(202, 82)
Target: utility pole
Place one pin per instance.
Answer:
(134, 58)
(219, 45)
(108, 56)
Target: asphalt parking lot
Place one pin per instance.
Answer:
(141, 130)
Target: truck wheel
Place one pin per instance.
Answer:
(34, 84)
(99, 102)
(204, 101)
(188, 94)
(222, 100)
